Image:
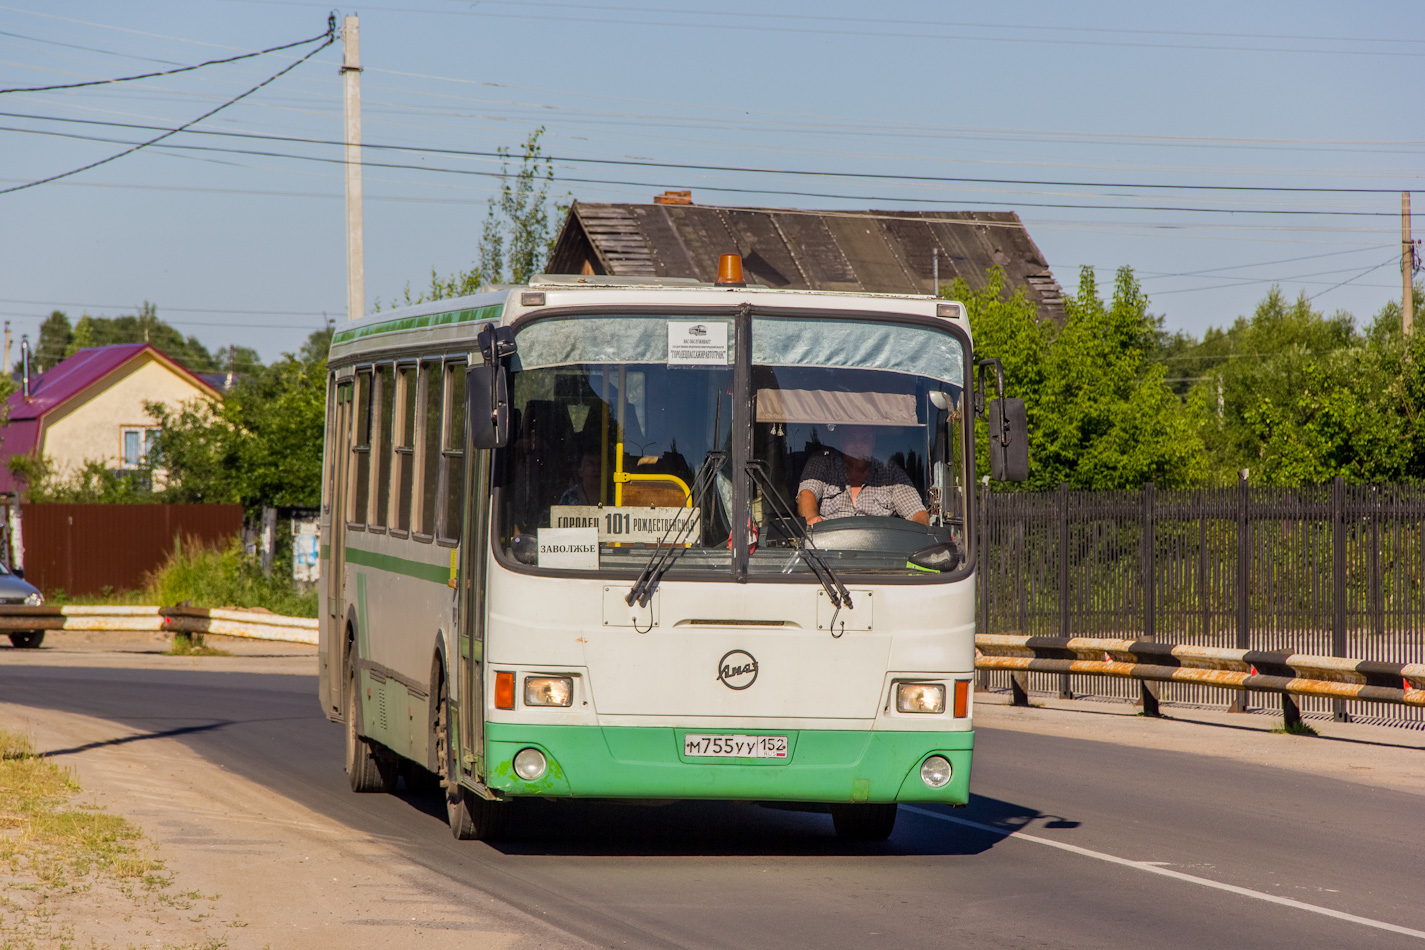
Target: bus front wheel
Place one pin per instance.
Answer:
(864, 822)
(472, 818)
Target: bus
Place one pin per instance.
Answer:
(654, 539)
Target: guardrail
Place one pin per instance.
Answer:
(1287, 674)
(251, 624)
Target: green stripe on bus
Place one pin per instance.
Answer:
(492, 312)
(830, 765)
(436, 573)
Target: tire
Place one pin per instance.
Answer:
(472, 818)
(366, 769)
(29, 640)
(864, 822)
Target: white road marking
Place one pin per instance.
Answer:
(1154, 868)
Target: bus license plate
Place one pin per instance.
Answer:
(739, 747)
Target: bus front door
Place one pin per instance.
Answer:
(339, 444)
(474, 554)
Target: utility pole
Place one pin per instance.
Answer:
(1407, 267)
(355, 254)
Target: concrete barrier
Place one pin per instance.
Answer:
(252, 624)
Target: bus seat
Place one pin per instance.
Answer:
(653, 494)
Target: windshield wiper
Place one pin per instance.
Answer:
(836, 591)
(662, 559)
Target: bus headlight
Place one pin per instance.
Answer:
(936, 771)
(531, 765)
(548, 690)
(920, 697)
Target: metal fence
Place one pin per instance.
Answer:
(83, 549)
(1333, 570)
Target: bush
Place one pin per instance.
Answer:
(226, 577)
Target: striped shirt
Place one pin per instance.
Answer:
(886, 492)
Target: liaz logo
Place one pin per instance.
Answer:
(697, 330)
(737, 669)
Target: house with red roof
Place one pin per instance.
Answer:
(90, 407)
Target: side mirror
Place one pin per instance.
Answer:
(1009, 440)
(487, 389)
(487, 399)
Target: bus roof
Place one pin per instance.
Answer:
(457, 319)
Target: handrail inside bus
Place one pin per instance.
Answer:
(621, 478)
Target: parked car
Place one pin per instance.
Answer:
(16, 590)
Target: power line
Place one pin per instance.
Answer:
(330, 38)
(1390, 260)
(698, 167)
(1289, 260)
(217, 324)
(735, 22)
(170, 72)
(87, 49)
(115, 306)
(727, 189)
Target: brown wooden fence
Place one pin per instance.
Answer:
(82, 549)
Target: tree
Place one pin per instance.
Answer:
(145, 327)
(261, 446)
(94, 483)
(516, 237)
(1100, 414)
(1355, 410)
(55, 337)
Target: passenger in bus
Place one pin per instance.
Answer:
(585, 489)
(852, 482)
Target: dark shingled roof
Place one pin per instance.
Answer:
(868, 251)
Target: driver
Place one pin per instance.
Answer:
(850, 482)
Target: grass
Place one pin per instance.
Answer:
(56, 845)
(208, 577)
(191, 644)
(1295, 729)
(61, 861)
(226, 577)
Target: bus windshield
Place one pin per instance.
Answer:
(623, 443)
(858, 429)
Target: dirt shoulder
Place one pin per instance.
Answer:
(255, 870)
(250, 869)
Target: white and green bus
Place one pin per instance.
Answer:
(604, 538)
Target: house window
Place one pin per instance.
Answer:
(138, 445)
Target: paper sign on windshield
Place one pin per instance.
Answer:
(697, 343)
(628, 525)
(570, 548)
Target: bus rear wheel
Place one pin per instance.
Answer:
(472, 818)
(30, 640)
(864, 822)
(366, 769)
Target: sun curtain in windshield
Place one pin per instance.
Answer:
(622, 444)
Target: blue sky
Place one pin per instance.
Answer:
(1216, 148)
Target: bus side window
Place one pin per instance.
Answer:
(405, 444)
(361, 451)
(452, 457)
(429, 456)
(328, 457)
(384, 402)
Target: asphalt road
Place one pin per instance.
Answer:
(1067, 843)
